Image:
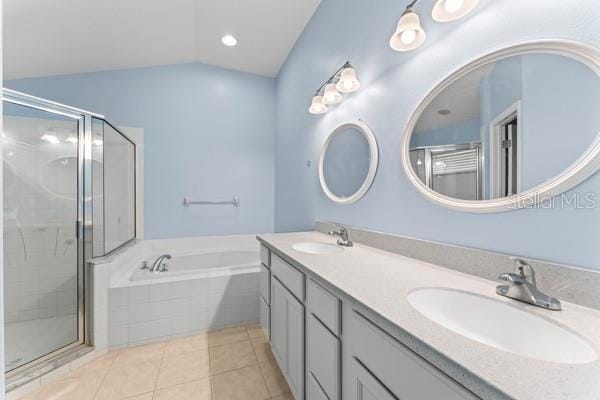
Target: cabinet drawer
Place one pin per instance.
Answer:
(323, 357)
(407, 375)
(313, 391)
(265, 317)
(291, 278)
(265, 255)
(324, 305)
(264, 284)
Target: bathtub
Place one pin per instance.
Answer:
(211, 283)
(201, 265)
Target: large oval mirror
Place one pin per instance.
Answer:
(348, 162)
(509, 130)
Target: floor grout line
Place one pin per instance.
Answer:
(259, 368)
(105, 371)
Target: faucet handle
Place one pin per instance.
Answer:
(524, 269)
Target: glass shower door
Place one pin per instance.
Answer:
(40, 189)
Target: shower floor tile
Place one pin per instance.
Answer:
(180, 369)
(23, 342)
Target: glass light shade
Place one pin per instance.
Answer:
(451, 10)
(348, 81)
(409, 34)
(331, 94)
(317, 106)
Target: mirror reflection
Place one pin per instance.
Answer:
(346, 162)
(506, 127)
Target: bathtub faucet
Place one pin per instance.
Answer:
(156, 265)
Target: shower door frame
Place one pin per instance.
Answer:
(83, 227)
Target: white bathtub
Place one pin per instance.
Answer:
(199, 265)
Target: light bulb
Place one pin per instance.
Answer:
(331, 95)
(317, 106)
(453, 6)
(408, 36)
(451, 10)
(348, 81)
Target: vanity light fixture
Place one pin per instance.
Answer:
(331, 95)
(317, 106)
(451, 10)
(344, 80)
(409, 33)
(348, 82)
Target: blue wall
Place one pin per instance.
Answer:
(392, 86)
(209, 133)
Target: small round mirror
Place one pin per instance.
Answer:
(348, 162)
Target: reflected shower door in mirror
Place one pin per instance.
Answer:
(348, 162)
(113, 187)
(452, 170)
(506, 125)
(41, 263)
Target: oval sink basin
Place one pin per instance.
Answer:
(503, 326)
(317, 248)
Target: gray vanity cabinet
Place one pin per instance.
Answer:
(331, 349)
(323, 347)
(376, 362)
(364, 386)
(287, 336)
(265, 300)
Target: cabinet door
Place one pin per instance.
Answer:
(295, 350)
(265, 317)
(279, 324)
(265, 284)
(364, 386)
(322, 357)
(313, 390)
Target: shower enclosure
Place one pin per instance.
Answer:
(68, 195)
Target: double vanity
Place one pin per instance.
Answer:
(356, 322)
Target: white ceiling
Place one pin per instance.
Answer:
(461, 98)
(52, 37)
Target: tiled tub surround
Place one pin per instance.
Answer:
(130, 313)
(230, 364)
(376, 283)
(158, 311)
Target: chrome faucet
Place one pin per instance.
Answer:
(522, 286)
(343, 234)
(156, 265)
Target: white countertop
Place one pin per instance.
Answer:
(381, 281)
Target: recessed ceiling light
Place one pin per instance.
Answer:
(229, 40)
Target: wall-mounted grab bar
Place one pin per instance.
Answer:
(188, 202)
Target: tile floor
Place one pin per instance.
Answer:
(230, 364)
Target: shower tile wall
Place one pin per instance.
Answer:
(159, 311)
(40, 248)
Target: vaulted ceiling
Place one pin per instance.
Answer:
(55, 37)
